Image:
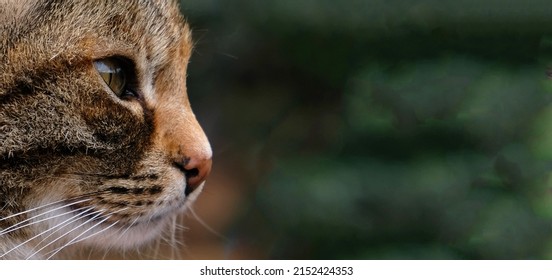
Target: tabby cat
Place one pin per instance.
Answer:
(98, 144)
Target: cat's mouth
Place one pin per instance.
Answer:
(116, 228)
(127, 217)
(116, 224)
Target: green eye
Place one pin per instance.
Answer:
(114, 74)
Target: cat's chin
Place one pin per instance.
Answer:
(131, 236)
(75, 226)
(101, 232)
(120, 236)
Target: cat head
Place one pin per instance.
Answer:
(96, 131)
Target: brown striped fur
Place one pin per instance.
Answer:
(64, 136)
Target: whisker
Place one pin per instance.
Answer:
(36, 222)
(228, 55)
(60, 225)
(110, 215)
(120, 236)
(180, 225)
(15, 226)
(157, 248)
(65, 234)
(205, 225)
(43, 206)
(68, 222)
(94, 234)
(174, 248)
(81, 234)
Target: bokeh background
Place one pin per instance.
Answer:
(373, 129)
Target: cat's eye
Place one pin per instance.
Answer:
(115, 74)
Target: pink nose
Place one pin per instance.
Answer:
(196, 170)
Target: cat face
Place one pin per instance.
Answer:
(98, 142)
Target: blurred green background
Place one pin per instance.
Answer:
(384, 129)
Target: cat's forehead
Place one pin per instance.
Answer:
(155, 29)
(140, 27)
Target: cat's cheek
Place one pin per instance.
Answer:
(174, 185)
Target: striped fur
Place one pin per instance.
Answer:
(64, 136)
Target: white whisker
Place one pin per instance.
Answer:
(11, 228)
(67, 222)
(111, 215)
(120, 236)
(205, 225)
(59, 226)
(175, 254)
(65, 234)
(44, 206)
(94, 234)
(157, 248)
(78, 236)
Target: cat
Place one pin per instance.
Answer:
(99, 146)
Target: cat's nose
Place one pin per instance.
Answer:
(196, 170)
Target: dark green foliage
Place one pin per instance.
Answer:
(381, 129)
